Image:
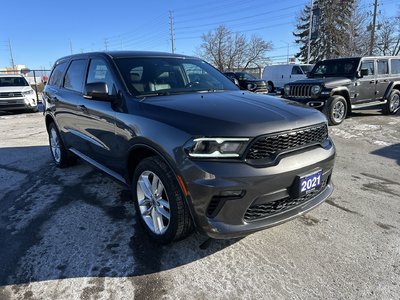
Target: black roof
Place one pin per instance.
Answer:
(122, 54)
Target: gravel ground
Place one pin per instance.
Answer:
(71, 234)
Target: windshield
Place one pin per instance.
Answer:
(13, 81)
(245, 76)
(171, 75)
(339, 67)
(306, 68)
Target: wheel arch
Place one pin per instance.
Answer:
(395, 85)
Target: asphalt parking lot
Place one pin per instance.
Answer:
(71, 233)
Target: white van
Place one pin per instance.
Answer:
(278, 75)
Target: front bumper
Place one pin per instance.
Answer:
(207, 181)
(21, 103)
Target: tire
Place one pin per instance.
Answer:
(164, 216)
(61, 156)
(393, 103)
(335, 110)
(271, 87)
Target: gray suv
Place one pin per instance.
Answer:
(338, 86)
(196, 151)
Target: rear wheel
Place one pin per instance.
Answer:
(393, 103)
(61, 156)
(159, 201)
(335, 110)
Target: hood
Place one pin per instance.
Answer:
(329, 82)
(13, 89)
(229, 114)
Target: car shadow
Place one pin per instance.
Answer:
(77, 222)
(392, 152)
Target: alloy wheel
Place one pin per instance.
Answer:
(153, 202)
(394, 102)
(338, 111)
(55, 145)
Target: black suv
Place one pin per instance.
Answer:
(193, 148)
(249, 82)
(338, 86)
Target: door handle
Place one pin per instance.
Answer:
(372, 81)
(82, 108)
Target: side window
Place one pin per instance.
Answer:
(56, 75)
(369, 65)
(297, 71)
(395, 66)
(75, 75)
(383, 67)
(99, 72)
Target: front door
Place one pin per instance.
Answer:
(96, 119)
(365, 89)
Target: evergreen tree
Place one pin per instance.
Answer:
(333, 31)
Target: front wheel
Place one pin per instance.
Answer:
(335, 110)
(393, 103)
(159, 202)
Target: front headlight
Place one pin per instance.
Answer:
(287, 89)
(217, 147)
(315, 89)
(30, 92)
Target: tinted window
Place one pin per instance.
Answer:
(335, 67)
(395, 66)
(99, 72)
(13, 81)
(383, 67)
(56, 75)
(369, 65)
(297, 71)
(75, 75)
(246, 76)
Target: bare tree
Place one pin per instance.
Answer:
(388, 37)
(227, 50)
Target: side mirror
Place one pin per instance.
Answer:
(97, 91)
(362, 73)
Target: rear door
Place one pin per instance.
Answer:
(365, 89)
(382, 80)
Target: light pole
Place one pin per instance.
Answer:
(309, 32)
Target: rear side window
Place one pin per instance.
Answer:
(383, 67)
(395, 66)
(56, 75)
(75, 75)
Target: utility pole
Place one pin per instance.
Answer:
(309, 32)
(11, 55)
(371, 45)
(70, 46)
(171, 28)
(106, 44)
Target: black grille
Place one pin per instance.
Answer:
(10, 94)
(269, 146)
(260, 211)
(300, 91)
(212, 206)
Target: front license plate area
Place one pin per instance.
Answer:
(309, 183)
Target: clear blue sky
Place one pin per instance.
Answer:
(42, 31)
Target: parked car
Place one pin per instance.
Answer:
(338, 86)
(249, 82)
(16, 94)
(193, 148)
(278, 75)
